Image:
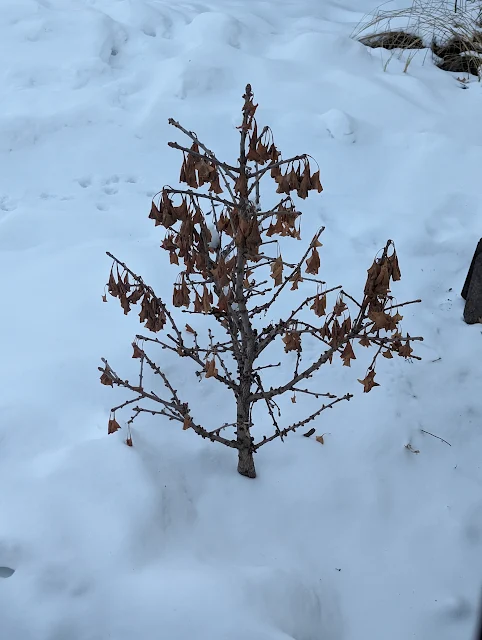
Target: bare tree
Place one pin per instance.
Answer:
(217, 228)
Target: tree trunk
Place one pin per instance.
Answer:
(245, 452)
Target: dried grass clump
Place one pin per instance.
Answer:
(452, 32)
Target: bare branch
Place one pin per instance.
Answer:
(313, 393)
(327, 355)
(301, 423)
(402, 304)
(125, 404)
(257, 175)
(177, 410)
(268, 335)
(209, 153)
(278, 291)
(344, 293)
(195, 194)
(212, 158)
(190, 353)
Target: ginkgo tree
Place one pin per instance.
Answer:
(231, 271)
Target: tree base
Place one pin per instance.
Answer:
(246, 466)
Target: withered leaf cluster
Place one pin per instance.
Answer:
(297, 177)
(198, 169)
(378, 304)
(292, 341)
(152, 311)
(261, 148)
(284, 222)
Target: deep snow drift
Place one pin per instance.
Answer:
(358, 538)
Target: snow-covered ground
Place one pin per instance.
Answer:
(355, 539)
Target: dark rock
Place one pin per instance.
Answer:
(461, 64)
(393, 40)
(473, 305)
(460, 55)
(478, 251)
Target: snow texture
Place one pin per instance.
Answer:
(356, 538)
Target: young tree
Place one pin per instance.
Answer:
(233, 272)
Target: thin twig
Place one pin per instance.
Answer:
(434, 436)
(211, 158)
(301, 423)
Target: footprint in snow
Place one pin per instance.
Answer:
(339, 125)
(85, 182)
(109, 186)
(110, 190)
(6, 204)
(6, 572)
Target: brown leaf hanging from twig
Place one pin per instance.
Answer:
(211, 370)
(138, 353)
(369, 381)
(113, 426)
(313, 262)
(348, 355)
(106, 379)
(296, 279)
(319, 305)
(277, 271)
(292, 341)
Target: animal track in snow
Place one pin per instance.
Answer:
(6, 204)
(85, 182)
(110, 190)
(109, 186)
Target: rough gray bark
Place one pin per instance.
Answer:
(473, 305)
(478, 251)
(245, 451)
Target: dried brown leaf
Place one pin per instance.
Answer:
(315, 182)
(292, 341)
(137, 353)
(340, 307)
(313, 262)
(215, 184)
(296, 279)
(106, 379)
(319, 305)
(277, 271)
(369, 381)
(348, 355)
(211, 370)
(113, 426)
(395, 269)
(406, 350)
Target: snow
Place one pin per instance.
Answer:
(356, 538)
